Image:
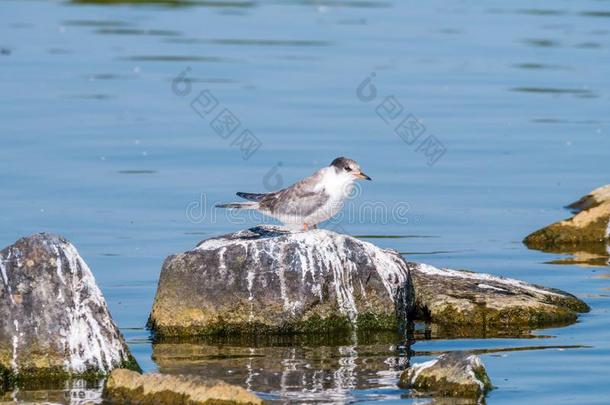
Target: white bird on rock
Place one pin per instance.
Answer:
(309, 201)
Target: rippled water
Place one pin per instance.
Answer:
(101, 144)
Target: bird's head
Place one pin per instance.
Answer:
(348, 167)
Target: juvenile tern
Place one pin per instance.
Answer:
(309, 201)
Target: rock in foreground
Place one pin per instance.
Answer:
(455, 374)
(54, 322)
(470, 300)
(128, 387)
(267, 281)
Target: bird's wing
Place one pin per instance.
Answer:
(301, 199)
(252, 196)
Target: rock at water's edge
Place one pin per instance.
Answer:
(593, 199)
(54, 322)
(455, 374)
(124, 387)
(587, 231)
(267, 281)
(466, 299)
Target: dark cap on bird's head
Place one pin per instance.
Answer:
(350, 166)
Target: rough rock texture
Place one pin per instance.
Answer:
(455, 374)
(268, 281)
(461, 298)
(54, 322)
(593, 199)
(265, 281)
(588, 227)
(128, 387)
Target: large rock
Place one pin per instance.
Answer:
(455, 374)
(467, 303)
(54, 322)
(264, 280)
(270, 281)
(128, 387)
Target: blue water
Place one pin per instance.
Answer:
(100, 143)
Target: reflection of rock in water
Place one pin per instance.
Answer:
(292, 371)
(78, 392)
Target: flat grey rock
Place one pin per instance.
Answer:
(467, 303)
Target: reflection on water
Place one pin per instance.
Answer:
(295, 368)
(173, 3)
(72, 393)
(314, 370)
(597, 256)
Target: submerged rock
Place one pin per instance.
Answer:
(54, 322)
(129, 387)
(455, 374)
(268, 281)
(479, 302)
(593, 199)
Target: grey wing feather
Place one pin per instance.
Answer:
(252, 196)
(300, 199)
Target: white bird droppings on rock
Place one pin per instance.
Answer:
(60, 318)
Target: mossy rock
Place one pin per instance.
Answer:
(477, 301)
(267, 281)
(586, 231)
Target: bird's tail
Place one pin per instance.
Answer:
(250, 205)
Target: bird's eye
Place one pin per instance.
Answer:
(348, 169)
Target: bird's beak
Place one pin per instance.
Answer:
(363, 176)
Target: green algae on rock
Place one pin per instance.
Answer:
(481, 301)
(125, 387)
(265, 281)
(455, 374)
(54, 321)
(588, 227)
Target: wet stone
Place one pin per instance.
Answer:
(455, 374)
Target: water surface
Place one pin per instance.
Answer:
(101, 144)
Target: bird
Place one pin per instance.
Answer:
(310, 201)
